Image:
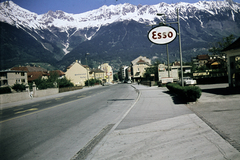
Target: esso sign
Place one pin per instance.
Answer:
(162, 35)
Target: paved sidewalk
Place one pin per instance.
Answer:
(220, 109)
(156, 128)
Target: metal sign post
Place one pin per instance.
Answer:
(166, 34)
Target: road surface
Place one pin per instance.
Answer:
(59, 128)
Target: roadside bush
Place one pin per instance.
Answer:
(187, 93)
(92, 82)
(4, 90)
(64, 82)
(19, 87)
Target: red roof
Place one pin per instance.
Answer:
(59, 72)
(28, 69)
(35, 75)
(203, 57)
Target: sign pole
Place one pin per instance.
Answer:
(168, 63)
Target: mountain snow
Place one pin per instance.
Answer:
(14, 15)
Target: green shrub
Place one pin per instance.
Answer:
(92, 82)
(187, 93)
(19, 87)
(4, 90)
(64, 82)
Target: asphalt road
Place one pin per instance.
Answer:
(59, 128)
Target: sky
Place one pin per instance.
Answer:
(80, 6)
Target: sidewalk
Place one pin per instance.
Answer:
(156, 128)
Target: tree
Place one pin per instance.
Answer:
(226, 41)
(152, 70)
(19, 87)
(115, 77)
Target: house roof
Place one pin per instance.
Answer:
(85, 66)
(9, 71)
(142, 62)
(28, 68)
(233, 46)
(59, 72)
(35, 75)
(203, 57)
(97, 71)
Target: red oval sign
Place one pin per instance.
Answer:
(162, 35)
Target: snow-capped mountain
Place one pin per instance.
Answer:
(200, 22)
(15, 15)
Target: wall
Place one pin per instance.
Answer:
(46, 92)
(14, 97)
(77, 74)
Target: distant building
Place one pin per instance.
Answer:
(97, 74)
(107, 71)
(163, 72)
(34, 73)
(201, 60)
(124, 72)
(233, 53)
(186, 68)
(77, 74)
(139, 66)
(11, 77)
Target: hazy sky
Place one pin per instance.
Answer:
(79, 6)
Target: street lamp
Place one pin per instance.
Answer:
(161, 14)
(180, 47)
(86, 67)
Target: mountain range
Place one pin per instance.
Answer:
(116, 34)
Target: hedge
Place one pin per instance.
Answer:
(4, 90)
(187, 93)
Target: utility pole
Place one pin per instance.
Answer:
(180, 47)
(87, 68)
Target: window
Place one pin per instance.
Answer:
(23, 80)
(22, 73)
(3, 74)
(5, 82)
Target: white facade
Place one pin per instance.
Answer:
(9, 78)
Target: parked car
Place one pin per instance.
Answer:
(188, 81)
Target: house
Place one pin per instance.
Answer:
(124, 73)
(108, 72)
(177, 65)
(201, 60)
(138, 67)
(233, 52)
(163, 72)
(11, 77)
(34, 72)
(77, 74)
(97, 74)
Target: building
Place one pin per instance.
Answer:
(107, 71)
(177, 65)
(97, 74)
(163, 72)
(77, 74)
(124, 73)
(34, 72)
(11, 77)
(201, 60)
(233, 52)
(138, 67)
